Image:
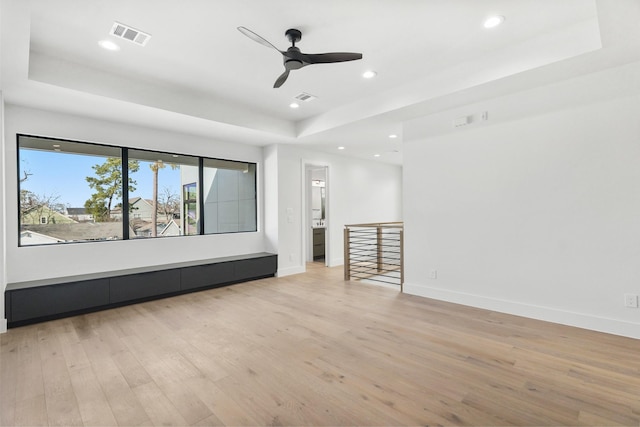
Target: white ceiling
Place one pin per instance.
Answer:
(198, 74)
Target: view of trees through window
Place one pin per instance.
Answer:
(157, 211)
(73, 192)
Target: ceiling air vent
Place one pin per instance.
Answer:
(125, 32)
(305, 97)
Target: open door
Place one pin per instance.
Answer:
(316, 184)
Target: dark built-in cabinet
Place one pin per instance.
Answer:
(36, 301)
(318, 243)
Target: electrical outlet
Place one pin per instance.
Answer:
(631, 300)
(433, 274)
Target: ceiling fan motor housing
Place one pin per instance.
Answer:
(293, 59)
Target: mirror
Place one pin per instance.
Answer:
(317, 200)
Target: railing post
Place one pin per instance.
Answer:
(347, 257)
(379, 248)
(401, 260)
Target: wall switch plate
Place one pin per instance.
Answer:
(631, 300)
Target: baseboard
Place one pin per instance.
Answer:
(290, 271)
(580, 320)
(3, 326)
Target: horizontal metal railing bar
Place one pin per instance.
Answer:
(378, 265)
(364, 255)
(367, 255)
(368, 249)
(363, 264)
(359, 239)
(371, 260)
(377, 271)
(358, 251)
(386, 267)
(378, 280)
(366, 275)
(366, 242)
(376, 224)
(375, 230)
(373, 248)
(363, 258)
(389, 237)
(374, 254)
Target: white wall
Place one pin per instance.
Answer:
(3, 265)
(270, 191)
(538, 217)
(64, 260)
(357, 191)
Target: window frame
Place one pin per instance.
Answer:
(124, 156)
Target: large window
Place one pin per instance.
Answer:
(68, 191)
(155, 206)
(75, 192)
(229, 196)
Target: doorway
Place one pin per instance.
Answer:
(317, 214)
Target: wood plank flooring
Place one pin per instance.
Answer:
(311, 349)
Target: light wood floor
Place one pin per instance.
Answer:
(313, 350)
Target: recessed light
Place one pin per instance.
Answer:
(376, 155)
(369, 74)
(340, 148)
(109, 45)
(294, 105)
(393, 136)
(175, 156)
(493, 21)
(56, 145)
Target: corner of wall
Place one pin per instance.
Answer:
(336, 262)
(3, 240)
(289, 271)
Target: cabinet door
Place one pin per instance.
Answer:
(255, 268)
(43, 301)
(144, 285)
(207, 275)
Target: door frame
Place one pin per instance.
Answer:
(306, 231)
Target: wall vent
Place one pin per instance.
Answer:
(131, 34)
(305, 97)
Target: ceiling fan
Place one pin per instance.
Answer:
(294, 59)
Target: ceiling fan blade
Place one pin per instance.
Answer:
(280, 80)
(325, 58)
(256, 38)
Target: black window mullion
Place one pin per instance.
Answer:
(125, 193)
(201, 195)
